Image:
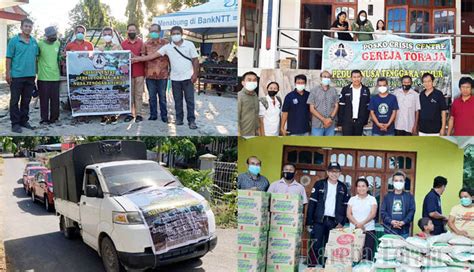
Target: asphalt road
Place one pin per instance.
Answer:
(33, 242)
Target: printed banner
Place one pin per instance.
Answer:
(99, 82)
(391, 57)
(175, 217)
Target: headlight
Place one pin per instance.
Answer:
(127, 218)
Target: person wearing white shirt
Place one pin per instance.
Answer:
(270, 111)
(184, 72)
(361, 211)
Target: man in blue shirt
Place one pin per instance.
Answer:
(22, 51)
(252, 180)
(295, 110)
(383, 110)
(432, 205)
(398, 208)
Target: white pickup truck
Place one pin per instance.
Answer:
(132, 211)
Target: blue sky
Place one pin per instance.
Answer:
(56, 12)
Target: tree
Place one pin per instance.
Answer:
(135, 15)
(468, 175)
(91, 14)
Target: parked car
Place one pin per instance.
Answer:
(30, 164)
(42, 189)
(29, 174)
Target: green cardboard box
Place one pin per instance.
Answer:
(252, 242)
(286, 203)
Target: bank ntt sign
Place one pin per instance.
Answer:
(213, 14)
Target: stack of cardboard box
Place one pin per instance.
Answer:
(344, 247)
(284, 238)
(253, 224)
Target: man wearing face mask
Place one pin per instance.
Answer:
(135, 45)
(252, 180)
(383, 110)
(247, 105)
(295, 116)
(157, 74)
(432, 205)
(184, 62)
(79, 43)
(288, 184)
(354, 101)
(107, 37)
(406, 122)
(398, 208)
(269, 111)
(327, 210)
(323, 105)
(48, 76)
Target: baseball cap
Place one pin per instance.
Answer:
(334, 165)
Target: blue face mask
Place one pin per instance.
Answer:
(80, 36)
(154, 35)
(466, 201)
(326, 81)
(254, 169)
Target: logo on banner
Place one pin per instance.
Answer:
(341, 54)
(99, 61)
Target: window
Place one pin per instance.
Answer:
(248, 23)
(318, 158)
(421, 16)
(304, 157)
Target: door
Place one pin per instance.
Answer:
(313, 16)
(40, 185)
(90, 211)
(467, 28)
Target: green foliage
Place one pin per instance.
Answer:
(225, 211)
(468, 173)
(195, 180)
(134, 12)
(8, 145)
(91, 14)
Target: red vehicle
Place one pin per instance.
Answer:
(28, 175)
(42, 189)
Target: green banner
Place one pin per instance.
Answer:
(391, 57)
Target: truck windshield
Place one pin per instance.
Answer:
(124, 178)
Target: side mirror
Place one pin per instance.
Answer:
(92, 191)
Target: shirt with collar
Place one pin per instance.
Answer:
(281, 187)
(246, 181)
(181, 68)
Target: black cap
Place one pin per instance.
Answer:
(334, 165)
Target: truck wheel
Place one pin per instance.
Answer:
(109, 256)
(68, 232)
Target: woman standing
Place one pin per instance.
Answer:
(270, 111)
(363, 25)
(342, 24)
(361, 211)
(461, 217)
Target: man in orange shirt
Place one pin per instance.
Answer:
(80, 44)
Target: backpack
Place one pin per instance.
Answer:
(264, 101)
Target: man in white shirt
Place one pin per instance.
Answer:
(184, 62)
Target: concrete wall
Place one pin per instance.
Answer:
(435, 156)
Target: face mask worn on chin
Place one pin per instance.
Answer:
(399, 185)
(154, 35)
(176, 38)
(80, 36)
(382, 89)
(466, 201)
(288, 175)
(254, 169)
(326, 81)
(132, 36)
(107, 38)
(272, 93)
(300, 87)
(251, 86)
(406, 87)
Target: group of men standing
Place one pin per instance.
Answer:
(330, 203)
(318, 112)
(32, 63)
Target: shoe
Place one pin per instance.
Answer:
(128, 119)
(17, 129)
(192, 125)
(138, 119)
(113, 120)
(179, 123)
(165, 120)
(152, 118)
(28, 126)
(104, 121)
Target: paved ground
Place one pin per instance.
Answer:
(215, 116)
(33, 242)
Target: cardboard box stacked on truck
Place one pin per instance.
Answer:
(123, 206)
(253, 223)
